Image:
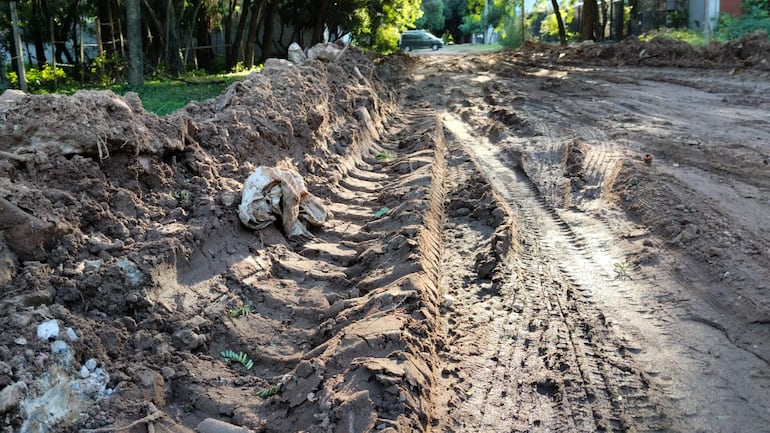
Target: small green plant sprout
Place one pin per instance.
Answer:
(267, 392)
(380, 213)
(621, 271)
(239, 357)
(383, 155)
(184, 197)
(245, 310)
(273, 390)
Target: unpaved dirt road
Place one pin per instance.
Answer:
(634, 297)
(498, 256)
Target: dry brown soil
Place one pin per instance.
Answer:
(500, 258)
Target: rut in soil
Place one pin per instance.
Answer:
(525, 344)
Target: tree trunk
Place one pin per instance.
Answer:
(228, 34)
(204, 56)
(251, 39)
(188, 33)
(39, 14)
(155, 50)
(19, 50)
(587, 20)
(134, 39)
(560, 22)
(617, 20)
(173, 58)
(235, 49)
(318, 25)
(269, 29)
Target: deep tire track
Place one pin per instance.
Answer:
(548, 351)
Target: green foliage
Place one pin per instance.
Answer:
(481, 15)
(240, 68)
(45, 80)
(549, 28)
(106, 70)
(512, 33)
(756, 16)
(12, 78)
(677, 19)
(432, 15)
(378, 24)
(511, 27)
(273, 390)
(472, 24)
(162, 95)
(621, 271)
(239, 357)
(386, 38)
(244, 310)
(691, 37)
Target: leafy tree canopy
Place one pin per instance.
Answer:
(375, 24)
(481, 15)
(432, 15)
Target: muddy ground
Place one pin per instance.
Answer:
(553, 239)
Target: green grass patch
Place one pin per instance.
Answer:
(163, 96)
(473, 48)
(691, 37)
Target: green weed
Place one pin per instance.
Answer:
(242, 311)
(621, 271)
(239, 357)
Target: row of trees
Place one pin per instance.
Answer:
(176, 33)
(91, 38)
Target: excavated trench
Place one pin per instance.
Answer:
(496, 258)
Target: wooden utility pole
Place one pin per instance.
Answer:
(19, 52)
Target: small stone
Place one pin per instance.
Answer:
(715, 252)
(59, 347)
(448, 300)
(211, 425)
(167, 372)
(463, 211)
(71, 334)
(295, 54)
(92, 265)
(48, 330)
(21, 320)
(21, 341)
(84, 372)
(11, 395)
(90, 364)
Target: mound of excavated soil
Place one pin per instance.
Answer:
(750, 51)
(131, 291)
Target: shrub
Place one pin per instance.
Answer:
(756, 16)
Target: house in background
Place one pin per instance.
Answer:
(704, 14)
(695, 14)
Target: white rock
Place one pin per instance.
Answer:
(59, 346)
(296, 55)
(90, 364)
(49, 329)
(84, 372)
(21, 341)
(92, 265)
(11, 396)
(71, 334)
